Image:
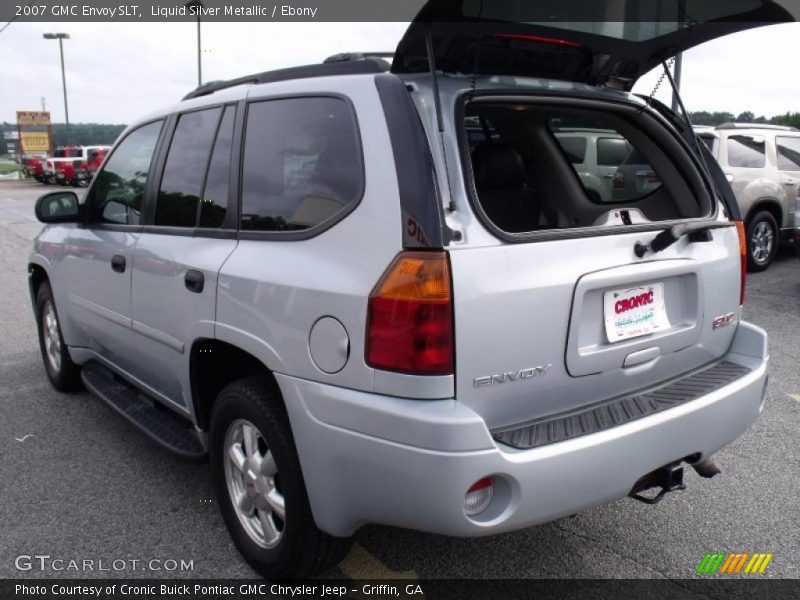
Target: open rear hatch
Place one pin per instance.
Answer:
(567, 313)
(608, 42)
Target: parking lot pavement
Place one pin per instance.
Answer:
(85, 485)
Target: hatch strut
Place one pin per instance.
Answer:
(451, 205)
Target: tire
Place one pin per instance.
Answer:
(298, 549)
(762, 241)
(62, 372)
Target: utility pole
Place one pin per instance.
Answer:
(197, 4)
(61, 37)
(44, 108)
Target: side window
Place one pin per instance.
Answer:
(184, 171)
(119, 189)
(574, 147)
(215, 195)
(302, 163)
(788, 153)
(612, 152)
(746, 151)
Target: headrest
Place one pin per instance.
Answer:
(497, 166)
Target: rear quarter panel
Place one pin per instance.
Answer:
(271, 292)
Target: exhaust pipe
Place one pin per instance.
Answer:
(706, 469)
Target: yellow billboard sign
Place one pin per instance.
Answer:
(34, 141)
(33, 117)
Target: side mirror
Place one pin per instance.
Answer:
(58, 207)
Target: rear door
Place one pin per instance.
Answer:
(564, 314)
(611, 42)
(190, 232)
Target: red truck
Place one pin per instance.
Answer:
(33, 166)
(74, 165)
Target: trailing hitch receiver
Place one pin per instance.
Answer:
(669, 478)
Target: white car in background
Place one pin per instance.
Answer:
(762, 163)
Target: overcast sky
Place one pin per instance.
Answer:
(117, 72)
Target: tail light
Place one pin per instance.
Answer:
(742, 258)
(618, 181)
(410, 316)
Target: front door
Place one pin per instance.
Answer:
(99, 260)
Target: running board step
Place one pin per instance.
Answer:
(159, 423)
(617, 411)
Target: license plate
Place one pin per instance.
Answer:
(634, 312)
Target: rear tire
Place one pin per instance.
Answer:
(762, 241)
(259, 486)
(62, 372)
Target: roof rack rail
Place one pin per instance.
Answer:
(756, 126)
(350, 56)
(369, 63)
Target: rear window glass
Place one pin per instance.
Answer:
(632, 20)
(612, 152)
(185, 169)
(523, 183)
(574, 147)
(788, 153)
(618, 173)
(302, 163)
(746, 151)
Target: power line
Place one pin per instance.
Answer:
(14, 18)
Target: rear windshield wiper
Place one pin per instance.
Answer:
(666, 238)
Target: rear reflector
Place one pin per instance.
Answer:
(410, 319)
(742, 258)
(478, 496)
(537, 38)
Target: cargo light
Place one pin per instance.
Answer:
(410, 316)
(742, 258)
(478, 496)
(537, 38)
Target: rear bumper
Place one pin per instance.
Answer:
(375, 459)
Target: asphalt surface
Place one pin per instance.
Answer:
(85, 485)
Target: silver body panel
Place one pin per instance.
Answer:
(384, 447)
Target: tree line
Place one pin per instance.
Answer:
(703, 117)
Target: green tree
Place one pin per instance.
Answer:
(790, 119)
(85, 134)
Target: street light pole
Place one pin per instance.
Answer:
(199, 53)
(61, 37)
(198, 4)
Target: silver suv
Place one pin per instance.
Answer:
(762, 164)
(362, 314)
